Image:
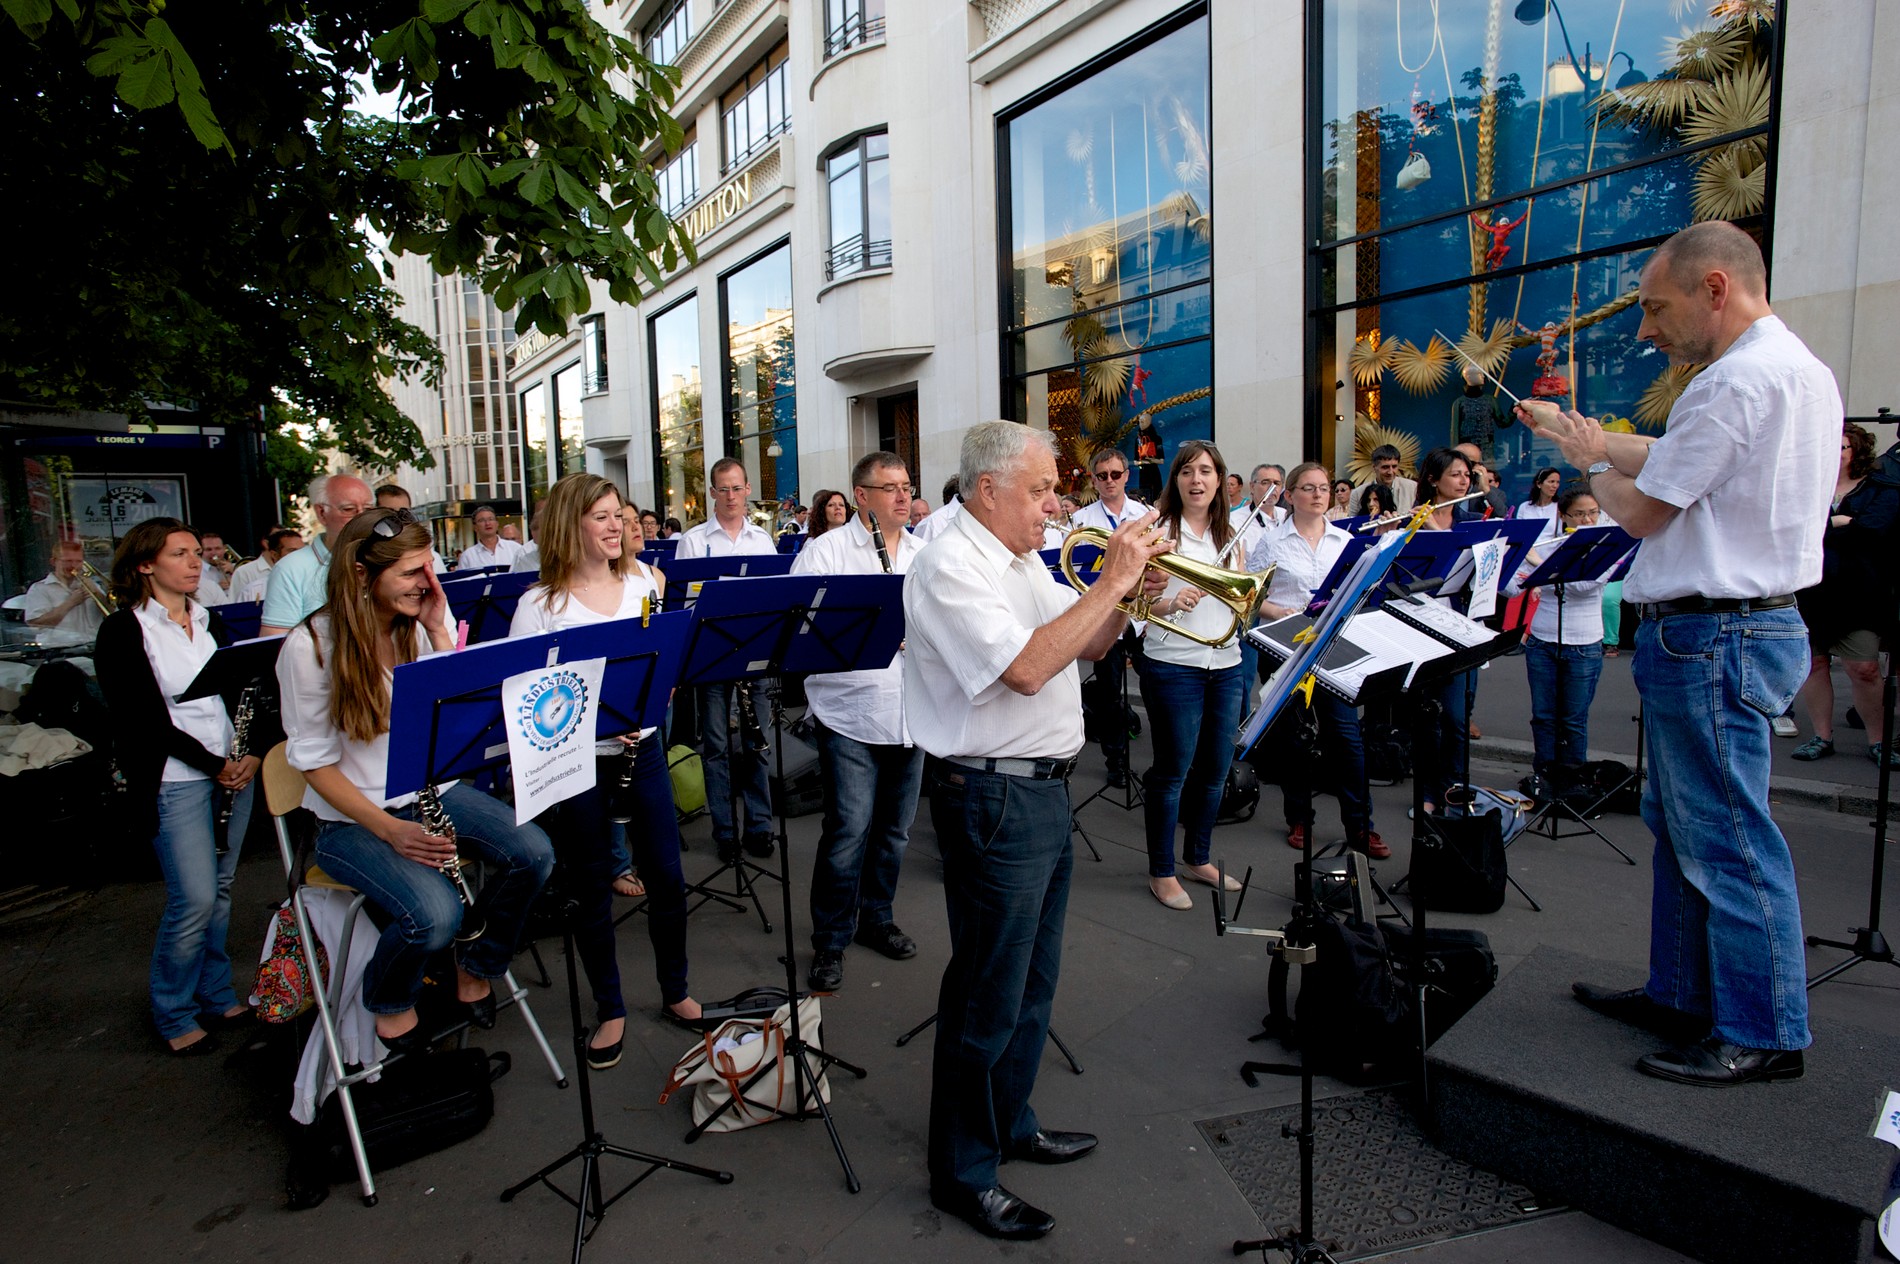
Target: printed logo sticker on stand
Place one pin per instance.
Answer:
(551, 720)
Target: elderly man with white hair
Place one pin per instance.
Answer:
(296, 587)
(991, 691)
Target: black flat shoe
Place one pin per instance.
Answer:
(481, 1011)
(411, 1041)
(995, 1211)
(606, 1056)
(760, 845)
(1635, 1007)
(696, 1025)
(1715, 1063)
(889, 940)
(207, 1044)
(215, 1021)
(1044, 1146)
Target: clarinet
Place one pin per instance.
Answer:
(240, 747)
(620, 811)
(877, 538)
(435, 819)
(749, 725)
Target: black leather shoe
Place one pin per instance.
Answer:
(996, 1212)
(1044, 1146)
(889, 940)
(728, 852)
(827, 971)
(1635, 1007)
(1715, 1063)
(481, 1012)
(759, 845)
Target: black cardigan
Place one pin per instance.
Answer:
(144, 736)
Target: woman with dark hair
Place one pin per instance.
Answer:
(1381, 502)
(828, 509)
(1543, 501)
(179, 773)
(1342, 500)
(1444, 475)
(1193, 692)
(385, 607)
(1850, 610)
(589, 577)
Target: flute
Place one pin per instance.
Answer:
(1403, 514)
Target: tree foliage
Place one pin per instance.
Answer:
(203, 214)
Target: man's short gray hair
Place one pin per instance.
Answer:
(995, 448)
(319, 490)
(1268, 465)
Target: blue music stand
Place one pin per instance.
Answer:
(682, 574)
(244, 618)
(1522, 533)
(487, 602)
(1086, 558)
(748, 629)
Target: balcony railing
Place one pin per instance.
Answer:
(856, 29)
(856, 255)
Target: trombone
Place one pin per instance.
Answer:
(99, 597)
(1240, 591)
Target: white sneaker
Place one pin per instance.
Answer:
(1784, 727)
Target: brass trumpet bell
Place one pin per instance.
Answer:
(1240, 591)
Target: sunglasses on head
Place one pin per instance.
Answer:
(391, 527)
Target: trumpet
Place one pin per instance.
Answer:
(87, 575)
(1240, 591)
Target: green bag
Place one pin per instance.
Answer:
(689, 779)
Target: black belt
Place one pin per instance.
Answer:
(1037, 769)
(1712, 605)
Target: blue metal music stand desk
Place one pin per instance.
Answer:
(487, 602)
(244, 618)
(685, 576)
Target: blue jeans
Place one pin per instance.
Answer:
(1193, 713)
(1007, 859)
(584, 840)
(720, 752)
(870, 800)
(1563, 680)
(1342, 755)
(418, 907)
(191, 972)
(1725, 918)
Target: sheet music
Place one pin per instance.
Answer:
(1394, 642)
(1438, 620)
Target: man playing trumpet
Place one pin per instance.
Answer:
(66, 603)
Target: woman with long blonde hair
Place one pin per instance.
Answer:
(588, 576)
(385, 608)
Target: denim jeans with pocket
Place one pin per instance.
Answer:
(1563, 680)
(419, 909)
(870, 800)
(727, 758)
(1193, 714)
(191, 971)
(1725, 919)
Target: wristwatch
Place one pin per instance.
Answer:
(1600, 467)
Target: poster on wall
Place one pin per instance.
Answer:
(104, 507)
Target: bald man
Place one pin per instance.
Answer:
(297, 582)
(1730, 504)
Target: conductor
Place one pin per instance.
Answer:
(1730, 504)
(991, 691)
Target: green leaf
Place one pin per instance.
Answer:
(146, 84)
(115, 53)
(471, 175)
(31, 16)
(534, 184)
(445, 10)
(571, 190)
(201, 120)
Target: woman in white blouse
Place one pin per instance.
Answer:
(385, 607)
(588, 576)
(1192, 691)
(1302, 551)
(1543, 501)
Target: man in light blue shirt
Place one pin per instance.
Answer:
(297, 583)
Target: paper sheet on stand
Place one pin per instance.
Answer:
(551, 717)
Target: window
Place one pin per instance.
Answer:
(679, 178)
(1105, 184)
(679, 446)
(849, 23)
(754, 110)
(534, 441)
(761, 381)
(670, 32)
(569, 437)
(859, 183)
(593, 355)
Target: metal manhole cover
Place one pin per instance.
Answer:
(1378, 1184)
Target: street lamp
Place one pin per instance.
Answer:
(1632, 76)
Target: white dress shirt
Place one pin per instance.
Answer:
(1750, 458)
(1548, 513)
(1096, 514)
(1208, 618)
(529, 559)
(177, 655)
(866, 706)
(533, 615)
(709, 539)
(1582, 603)
(936, 520)
(81, 623)
(1300, 568)
(211, 592)
(312, 740)
(970, 606)
(249, 581)
(479, 554)
(1252, 523)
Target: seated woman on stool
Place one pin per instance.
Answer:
(176, 758)
(384, 608)
(587, 577)
(1563, 674)
(1302, 550)
(1193, 692)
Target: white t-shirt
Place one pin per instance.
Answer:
(479, 555)
(1208, 618)
(176, 660)
(211, 590)
(312, 741)
(709, 539)
(533, 615)
(970, 606)
(1750, 459)
(866, 706)
(1547, 512)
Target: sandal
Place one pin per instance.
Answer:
(1814, 748)
(629, 885)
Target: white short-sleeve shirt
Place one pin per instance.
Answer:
(865, 706)
(709, 539)
(1299, 568)
(534, 614)
(1750, 459)
(970, 606)
(177, 656)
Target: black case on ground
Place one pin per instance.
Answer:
(420, 1105)
(1459, 970)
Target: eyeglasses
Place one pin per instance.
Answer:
(889, 489)
(732, 491)
(348, 511)
(1269, 482)
(391, 527)
(1307, 489)
(1110, 476)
